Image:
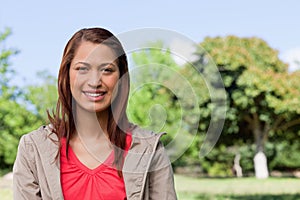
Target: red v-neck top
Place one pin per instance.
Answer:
(80, 182)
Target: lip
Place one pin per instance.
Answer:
(95, 95)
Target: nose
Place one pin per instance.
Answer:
(95, 79)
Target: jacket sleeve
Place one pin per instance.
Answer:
(161, 177)
(25, 182)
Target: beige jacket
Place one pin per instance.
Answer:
(147, 170)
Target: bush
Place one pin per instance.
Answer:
(287, 156)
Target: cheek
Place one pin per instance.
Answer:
(72, 77)
(75, 82)
(114, 83)
(72, 81)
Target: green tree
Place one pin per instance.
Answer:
(15, 118)
(156, 100)
(263, 97)
(42, 97)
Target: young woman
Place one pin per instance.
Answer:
(90, 150)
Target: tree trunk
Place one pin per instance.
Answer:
(260, 160)
(261, 165)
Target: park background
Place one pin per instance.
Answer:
(254, 44)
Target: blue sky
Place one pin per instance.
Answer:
(41, 29)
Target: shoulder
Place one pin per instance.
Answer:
(141, 134)
(38, 145)
(37, 137)
(144, 140)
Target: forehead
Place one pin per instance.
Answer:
(94, 53)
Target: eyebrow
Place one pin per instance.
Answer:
(101, 65)
(83, 63)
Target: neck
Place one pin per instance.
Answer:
(91, 124)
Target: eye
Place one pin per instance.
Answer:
(108, 69)
(82, 69)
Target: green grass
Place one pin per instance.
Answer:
(5, 194)
(218, 189)
(239, 197)
(5, 189)
(237, 188)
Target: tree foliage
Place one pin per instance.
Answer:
(42, 97)
(15, 118)
(161, 98)
(263, 97)
(261, 100)
(262, 94)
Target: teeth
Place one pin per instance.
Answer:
(94, 94)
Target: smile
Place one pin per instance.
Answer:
(94, 94)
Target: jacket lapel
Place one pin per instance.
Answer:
(137, 161)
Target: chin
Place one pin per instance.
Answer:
(99, 109)
(93, 109)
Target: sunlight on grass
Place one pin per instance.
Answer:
(5, 189)
(5, 194)
(189, 188)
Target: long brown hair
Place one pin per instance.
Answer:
(62, 118)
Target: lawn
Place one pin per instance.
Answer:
(218, 188)
(237, 188)
(5, 189)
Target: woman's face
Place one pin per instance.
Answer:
(94, 73)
